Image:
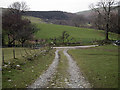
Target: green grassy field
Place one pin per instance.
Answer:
(27, 73)
(99, 65)
(34, 19)
(83, 35)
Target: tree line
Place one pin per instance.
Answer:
(58, 15)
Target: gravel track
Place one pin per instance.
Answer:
(75, 47)
(44, 79)
(76, 78)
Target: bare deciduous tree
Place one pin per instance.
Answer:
(10, 24)
(20, 6)
(104, 9)
(15, 27)
(26, 31)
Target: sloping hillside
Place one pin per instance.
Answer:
(87, 13)
(83, 35)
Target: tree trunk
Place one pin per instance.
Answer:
(8, 40)
(14, 42)
(106, 32)
(3, 57)
(22, 42)
(3, 41)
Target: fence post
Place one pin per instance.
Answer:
(14, 53)
(3, 57)
(21, 52)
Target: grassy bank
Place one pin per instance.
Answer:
(24, 72)
(61, 76)
(99, 65)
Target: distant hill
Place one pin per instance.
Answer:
(57, 15)
(54, 17)
(88, 13)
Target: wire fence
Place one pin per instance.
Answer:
(9, 53)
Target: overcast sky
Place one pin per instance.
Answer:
(50, 5)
